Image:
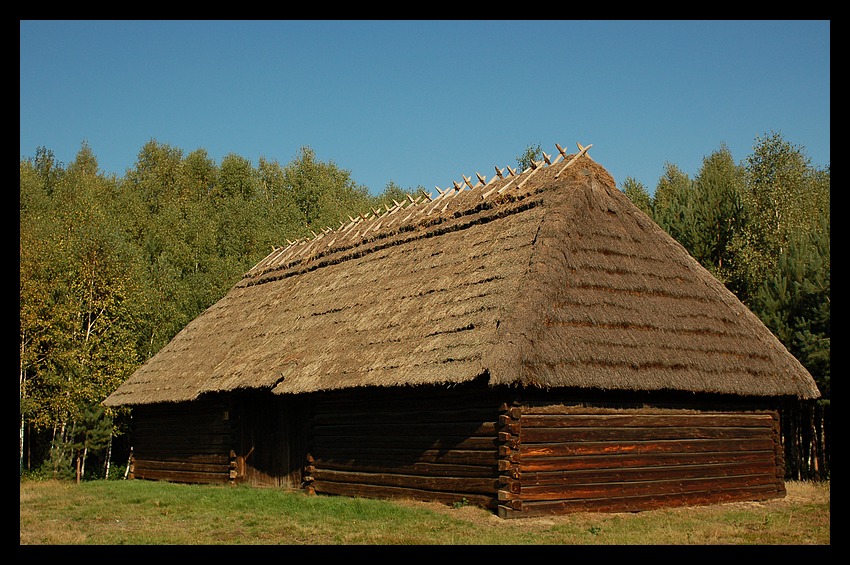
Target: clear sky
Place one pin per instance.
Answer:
(425, 102)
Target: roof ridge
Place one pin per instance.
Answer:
(306, 246)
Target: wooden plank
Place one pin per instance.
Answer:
(648, 488)
(420, 482)
(552, 435)
(609, 448)
(645, 420)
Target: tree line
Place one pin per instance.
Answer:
(111, 268)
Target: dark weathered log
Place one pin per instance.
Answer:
(405, 416)
(203, 458)
(149, 464)
(372, 491)
(392, 441)
(421, 482)
(402, 455)
(427, 429)
(188, 444)
(183, 477)
(416, 468)
(609, 448)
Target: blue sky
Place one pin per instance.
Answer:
(425, 102)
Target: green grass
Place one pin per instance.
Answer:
(158, 513)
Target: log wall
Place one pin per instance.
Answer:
(559, 458)
(432, 445)
(186, 442)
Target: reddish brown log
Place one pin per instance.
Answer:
(651, 488)
(550, 435)
(635, 504)
(609, 448)
(647, 420)
(579, 463)
(602, 475)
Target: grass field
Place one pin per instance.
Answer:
(156, 513)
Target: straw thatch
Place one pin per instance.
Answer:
(547, 278)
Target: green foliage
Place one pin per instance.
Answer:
(794, 302)
(324, 193)
(638, 194)
(532, 153)
(672, 205)
(717, 213)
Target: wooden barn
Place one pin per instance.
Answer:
(533, 344)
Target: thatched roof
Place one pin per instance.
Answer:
(547, 278)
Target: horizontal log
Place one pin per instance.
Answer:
(141, 464)
(420, 482)
(646, 420)
(424, 443)
(183, 477)
(194, 409)
(550, 435)
(372, 491)
(404, 455)
(378, 416)
(397, 400)
(185, 446)
(610, 448)
(198, 421)
(210, 458)
(648, 488)
(420, 429)
(147, 437)
(611, 475)
(583, 462)
(181, 452)
(637, 504)
(417, 468)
